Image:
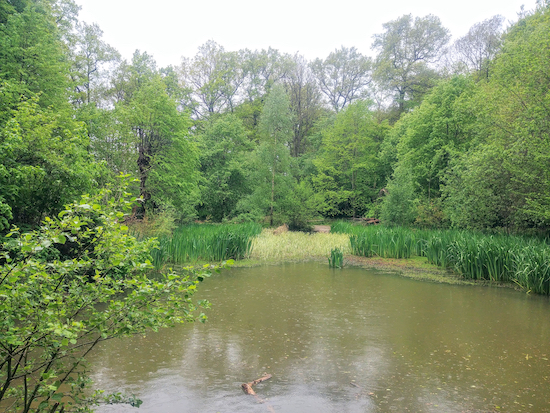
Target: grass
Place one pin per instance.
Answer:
(501, 258)
(296, 246)
(205, 242)
(475, 256)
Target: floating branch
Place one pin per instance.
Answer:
(247, 387)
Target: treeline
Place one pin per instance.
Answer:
(428, 132)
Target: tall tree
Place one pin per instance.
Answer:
(264, 68)
(305, 103)
(271, 162)
(91, 55)
(425, 143)
(32, 57)
(477, 49)
(44, 162)
(405, 49)
(504, 180)
(224, 152)
(343, 76)
(166, 159)
(215, 76)
(348, 178)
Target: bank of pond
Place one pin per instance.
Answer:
(522, 261)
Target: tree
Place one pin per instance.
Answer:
(399, 205)
(90, 57)
(215, 76)
(270, 163)
(478, 48)
(348, 176)
(80, 280)
(512, 157)
(424, 143)
(434, 132)
(32, 58)
(275, 126)
(305, 103)
(405, 50)
(44, 162)
(224, 152)
(166, 159)
(343, 76)
(263, 69)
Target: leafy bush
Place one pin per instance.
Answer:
(56, 309)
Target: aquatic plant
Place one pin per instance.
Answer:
(336, 259)
(205, 242)
(495, 257)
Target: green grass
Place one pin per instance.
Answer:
(205, 242)
(503, 258)
(296, 246)
(336, 259)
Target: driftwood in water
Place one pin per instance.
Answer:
(247, 387)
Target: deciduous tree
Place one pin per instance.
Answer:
(405, 49)
(343, 76)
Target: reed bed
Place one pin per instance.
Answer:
(297, 246)
(504, 258)
(205, 242)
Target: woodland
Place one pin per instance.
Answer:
(100, 155)
(429, 132)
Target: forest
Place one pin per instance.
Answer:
(100, 155)
(429, 132)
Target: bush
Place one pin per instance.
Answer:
(57, 307)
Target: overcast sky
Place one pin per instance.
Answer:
(170, 29)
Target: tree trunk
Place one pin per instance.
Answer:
(144, 164)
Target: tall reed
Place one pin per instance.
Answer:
(336, 259)
(205, 242)
(506, 258)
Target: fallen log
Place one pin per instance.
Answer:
(247, 387)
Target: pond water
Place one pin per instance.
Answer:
(350, 340)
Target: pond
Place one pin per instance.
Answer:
(350, 340)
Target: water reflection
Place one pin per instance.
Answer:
(340, 341)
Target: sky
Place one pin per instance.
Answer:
(170, 29)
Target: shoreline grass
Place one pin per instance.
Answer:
(205, 242)
(475, 256)
(497, 259)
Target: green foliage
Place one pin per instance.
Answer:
(298, 207)
(224, 154)
(503, 180)
(44, 163)
(167, 160)
(343, 76)
(503, 258)
(32, 57)
(405, 50)
(336, 259)
(271, 161)
(348, 177)
(205, 242)
(55, 310)
(399, 204)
